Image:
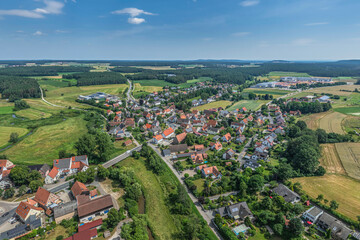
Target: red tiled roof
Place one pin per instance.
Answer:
(95, 205)
(158, 137)
(78, 188)
(181, 137)
(42, 196)
(93, 193)
(168, 131)
(53, 172)
(227, 136)
(90, 225)
(24, 208)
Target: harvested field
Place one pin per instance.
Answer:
(350, 157)
(334, 90)
(330, 159)
(341, 188)
(313, 120)
(331, 122)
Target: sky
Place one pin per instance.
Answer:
(179, 29)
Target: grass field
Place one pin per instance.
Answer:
(334, 90)
(249, 104)
(45, 143)
(351, 123)
(313, 120)
(149, 89)
(341, 188)
(6, 110)
(275, 92)
(288, 74)
(350, 157)
(216, 104)
(154, 82)
(331, 122)
(5, 133)
(192, 82)
(349, 110)
(330, 159)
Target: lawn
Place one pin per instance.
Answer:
(45, 143)
(6, 110)
(154, 82)
(248, 104)
(199, 183)
(5, 133)
(341, 188)
(216, 104)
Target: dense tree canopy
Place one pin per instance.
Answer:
(14, 88)
(97, 78)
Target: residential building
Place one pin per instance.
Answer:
(237, 211)
(180, 138)
(288, 195)
(46, 199)
(89, 209)
(212, 172)
(27, 209)
(65, 211)
(312, 214)
(228, 154)
(168, 133)
(79, 189)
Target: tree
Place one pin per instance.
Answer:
(22, 190)
(114, 217)
(255, 183)
(102, 172)
(284, 171)
(19, 175)
(296, 227)
(34, 175)
(14, 137)
(301, 124)
(9, 193)
(278, 229)
(334, 204)
(35, 184)
(60, 237)
(134, 191)
(21, 104)
(293, 131)
(320, 197)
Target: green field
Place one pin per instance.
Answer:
(154, 82)
(156, 189)
(248, 104)
(6, 110)
(349, 110)
(275, 92)
(45, 143)
(216, 104)
(288, 74)
(6, 131)
(192, 82)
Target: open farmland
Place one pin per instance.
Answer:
(44, 144)
(155, 67)
(248, 104)
(288, 74)
(330, 159)
(351, 123)
(331, 122)
(38, 109)
(335, 90)
(154, 82)
(350, 157)
(5, 133)
(189, 83)
(216, 104)
(335, 187)
(313, 120)
(355, 111)
(275, 92)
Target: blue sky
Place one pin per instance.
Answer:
(180, 29)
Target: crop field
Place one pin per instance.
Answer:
(288, 74)
(249, 104)
(216, 104)
(45, 143)
(350, 157)
(335, 90)
(139, 88)
(331, 122)
(345, 79)
(355, 111)
(313, 120)
(330, 159)
(6, 110)
(275, 92)
(341, 188)
(154, 82)
(351, 123)
(5, 133)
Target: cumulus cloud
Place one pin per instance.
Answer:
(38, 33)
(51, 7)
(316, 23)
(249, 3)
(134, 13)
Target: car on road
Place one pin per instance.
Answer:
(128, 152)
(12, 220)
(5, 214)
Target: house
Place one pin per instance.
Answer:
(216, 146)
(43, 169)
(178, 148)
(158, 139)
(84, 235)
(312, 214)
(166, 152)
(226, 137)
(168, 133)
(212, 123)
(27, 209)
(89, 209)
(237, 211)
(213, 131)
(5, 168)
(197, 158)
(155, 130)
(253, 164)
(79, 189)
(243, 110)
(240, 139)
(288, 195)
(91, 225)
(212, 172)
(235, 125)
(180, 138)
(338, 230)
(65, 211)
(228, 154)
(199, 147)
(127, 143)
(67, 166)
(46, 199)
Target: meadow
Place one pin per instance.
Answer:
(275, 92)
(5, 133)
(6, 110)
(288, 74)
(332, 122)
(341, 188)
(216, 104)
(44, 144)
(349, 110)
(248, 104)
(335, 90)
(154, 82)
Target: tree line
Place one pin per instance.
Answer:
(97, 78)
(15, 88)
(303, 107)
(41, 71)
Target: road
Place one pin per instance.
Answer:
(120, 157)
(7, 207)
(42, 97)
(192, 197)
(243, 152)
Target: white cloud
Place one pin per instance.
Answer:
(134, 13)
(38, 33)
(249, 3)
(135, 20)
(241, 34)
(316, 23)
(302, 41)
(51, 7)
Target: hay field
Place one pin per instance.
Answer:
(275, 92)
(5, 133)
(216, 104)
(335, 187)
(350, 157)
(334, 90)
(332, 122)
(38, 109)
(330, 159)
(313, 120)
(139, 88)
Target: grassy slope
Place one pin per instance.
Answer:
(216, 104)
(6, 110)
(45, 143)
(6, 131)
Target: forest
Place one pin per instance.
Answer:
(97, 78)
(14, 88)
(41, 71)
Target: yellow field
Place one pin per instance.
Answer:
(350, 157)
(331, 122)
(5, 133)
(330, 159)
(334, 90)
(341, 188)
(150, 89)
(313, 120)
(217, 104)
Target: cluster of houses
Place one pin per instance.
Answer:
(291, 82)
(100, 96)
(321, 99)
